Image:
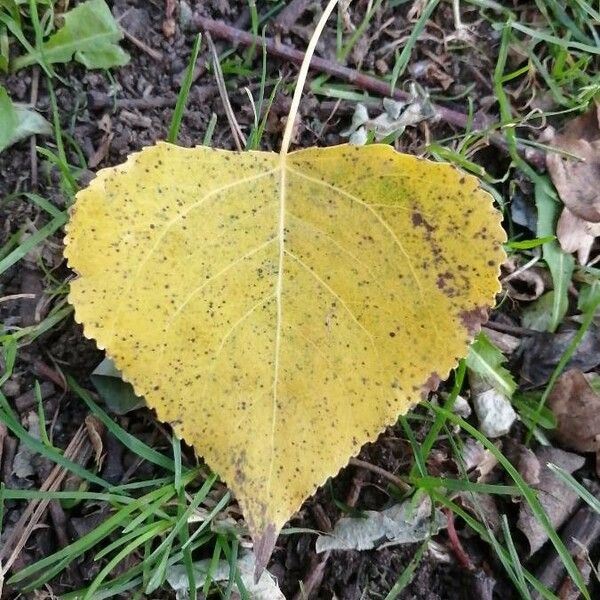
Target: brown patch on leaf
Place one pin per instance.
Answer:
(473, 319)
(263, 548)
(419, 221)
(577, 408)
(578, 180)
(432, 384)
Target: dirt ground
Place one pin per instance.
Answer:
(135, 103)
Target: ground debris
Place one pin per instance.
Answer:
(575, 172)
(576, 405)
(400, 524)
(557, 499)
(542, 351)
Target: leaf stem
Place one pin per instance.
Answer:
(312, 44)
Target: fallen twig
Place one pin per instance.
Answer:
(402, 485)
(457, 548)
(479, 121)
(151, 52)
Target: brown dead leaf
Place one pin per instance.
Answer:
(95, 430)
(524, 282)
(542, 351)
(578, 181)
(577, 408)
(476, 457)
(529, 466)
(482, 506)
(576, 234)
(556, 497)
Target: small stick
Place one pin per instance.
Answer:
(305, 65)
(151, 52)
(317, 63)
(17, 296)
(459, 551)
(35, 510)
(365, 82)
(402, 485)
(502, 328)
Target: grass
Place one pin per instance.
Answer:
(174, 518)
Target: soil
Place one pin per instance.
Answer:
(136, 102)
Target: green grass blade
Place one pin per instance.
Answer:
(518, 568)
(130, 441)
(502, 553)
(404, 56)
(156, 530)
(77, 548)
(9, 419)
(32, 241)
(184, 92)
(409, 572)
(464, 485)
(584, 494)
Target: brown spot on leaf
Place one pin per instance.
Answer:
(473, 319)
(432, 384)
(419, 221)
(442, 279)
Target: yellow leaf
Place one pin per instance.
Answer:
(281, 310)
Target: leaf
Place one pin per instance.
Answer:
(577, 177)
(266, 304)
(18, 123)
(576, 235)
(556, 498)
(486, 361)
(399, 524)
(118, 395)
(89, 35)
(265, 588)
(577, 408)
(538, 314)
(559, 262)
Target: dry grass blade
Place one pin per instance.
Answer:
(79, 450)
(236, 130)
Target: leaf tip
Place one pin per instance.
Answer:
(264, 543)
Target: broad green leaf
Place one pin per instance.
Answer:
(118, 395)
(89, 35)
(280, 310)
(18, 122)
(538, 314)
(486, 361)
(559, 262)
